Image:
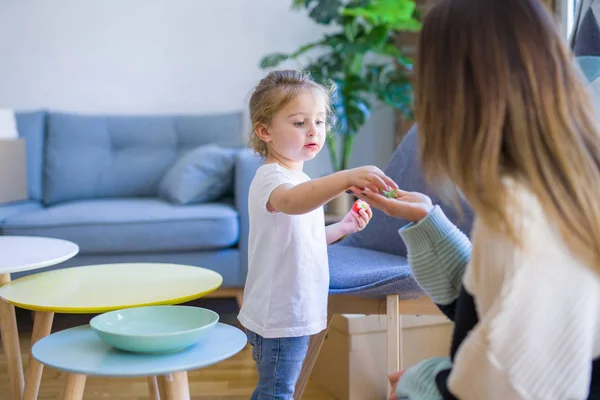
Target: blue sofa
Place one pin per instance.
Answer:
(94, 180)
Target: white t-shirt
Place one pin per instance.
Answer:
(288, 270)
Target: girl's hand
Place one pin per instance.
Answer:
(394, 378)
(412, 206)
(369, 177)
(355, 222)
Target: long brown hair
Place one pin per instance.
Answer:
(497, 96)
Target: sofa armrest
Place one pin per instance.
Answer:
(9, 209)
(246, 164)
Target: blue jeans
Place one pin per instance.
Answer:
(278, 362)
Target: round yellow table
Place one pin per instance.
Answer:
(101, 288)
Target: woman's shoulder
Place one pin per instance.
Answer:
(540, 256)
(540, 239)
(522, 200)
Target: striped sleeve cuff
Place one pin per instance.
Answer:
(438, 253)
(419, 381)
(420, 237)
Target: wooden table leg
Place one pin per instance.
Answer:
(42, 326)
(75, 387)
(394, 337)
(153, 388)
(162, 387)
(314, 347)
(10, 343)
(176, 386)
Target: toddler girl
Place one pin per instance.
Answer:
(285, 298)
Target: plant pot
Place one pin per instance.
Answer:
(340, 205)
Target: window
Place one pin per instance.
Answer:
(569, 13)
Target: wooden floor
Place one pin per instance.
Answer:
(233, 379)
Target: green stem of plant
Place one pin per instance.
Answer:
(346, 150)
(332, 144)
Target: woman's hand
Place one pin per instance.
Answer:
(394, 378)
(412, 206)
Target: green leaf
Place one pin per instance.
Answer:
(357, 3)
(358, 112)
(392, 13)
(356, 64)
(326, 11)
(411, 25)
(297, 4)
(351, 30)
(346, 151)
(377, 36)
(398, 94)
(273, 60)
(332, 145)
(306, 48)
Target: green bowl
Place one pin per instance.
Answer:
(155, 329)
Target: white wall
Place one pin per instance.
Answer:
(154, 56)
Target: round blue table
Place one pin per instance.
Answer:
(81, 353)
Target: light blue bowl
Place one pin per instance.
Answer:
(155, 329)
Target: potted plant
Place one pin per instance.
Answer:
(363, 62)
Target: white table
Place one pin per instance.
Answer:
(18, 254)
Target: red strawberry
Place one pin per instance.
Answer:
(360, 205)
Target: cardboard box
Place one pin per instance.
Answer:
(13, 170)
(352, 363)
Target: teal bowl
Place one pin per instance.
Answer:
(155, 329)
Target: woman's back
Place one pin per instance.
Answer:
(539, 312)
(504, 116)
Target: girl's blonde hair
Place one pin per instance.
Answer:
(497, 96)
(273, 93)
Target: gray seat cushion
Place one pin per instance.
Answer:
(370, 273)
(131, 225)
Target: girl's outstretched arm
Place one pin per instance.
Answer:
(308, 196)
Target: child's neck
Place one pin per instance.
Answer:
(285, 163)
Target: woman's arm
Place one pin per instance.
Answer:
(429, 378)
(438, 253)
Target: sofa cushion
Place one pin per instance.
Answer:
(131, 225)
(91, 157)
(199, 176)
(31, 126)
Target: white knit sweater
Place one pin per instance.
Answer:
(538, 308)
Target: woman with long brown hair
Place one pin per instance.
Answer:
(504, 118)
